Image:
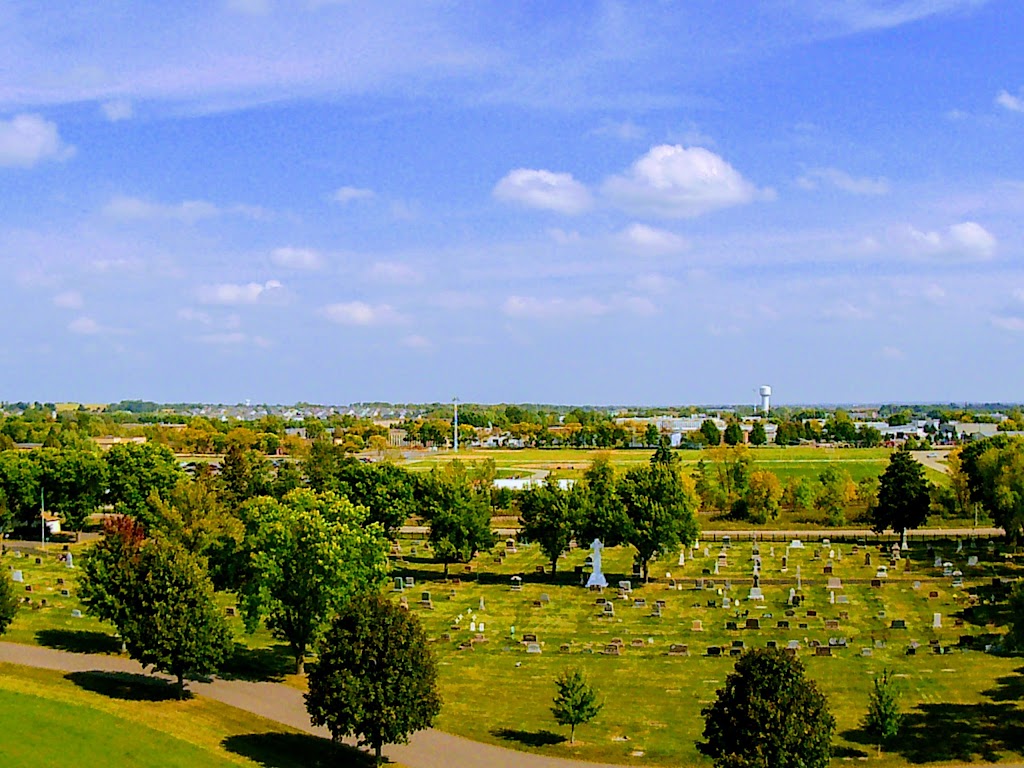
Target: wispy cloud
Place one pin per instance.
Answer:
(117, 110)
(843, 181)
(965, 240)
(26, 140)
(69, 300)
(361, 313)
(297, 258)
(1008, 101)
(346, 195)
(188, 211)
(238, 293)
(647, 239)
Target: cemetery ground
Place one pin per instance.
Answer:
(962, 704)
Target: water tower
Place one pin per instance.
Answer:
(766, 396)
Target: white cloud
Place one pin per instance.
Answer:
(847, 310)
(1008, 323)
(966, 240)
(188, 211)
(892, 353)
(860, 15)
(133, 208)
(361, 313)
(345, 195)
(841, 180)
(534, 308)
(626, 130)
(29, 139)
(653, 283)
(117, 110)
(68, 300)
(237, 293)
(551, 191)
(84, 326)
(1008, 101)
(582, 307)
(296, 258)
(674, 182)
(652, 239)
(393, 272)
(415, 341)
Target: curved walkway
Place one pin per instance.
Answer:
(426, 749)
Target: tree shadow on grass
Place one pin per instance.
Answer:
(844, 752)
(126, 685)
(970, 733)
(542, 738)
(295, 750)
(258, 664)
(78, 641)
(1010, 687)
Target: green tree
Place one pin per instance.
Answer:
(651, 435)
(19, 483)
(768, 715)
(663, 453)
(995, 476)
(134, 471)
(733, 434)
(711, 433)
(549, 515)
(8, 601)
(883, 717)
(575, 701)
(458, 515)
(602, 516)
(798, 495)
(161, 601)
(375, 677)
(661, 506)
(244, 474)
(73, 483)
(834, 494)
(764, 492)
(758, 436)
(308, 555)
(903, 495)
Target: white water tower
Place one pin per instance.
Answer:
(766, 396)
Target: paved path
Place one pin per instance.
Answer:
(282, 704)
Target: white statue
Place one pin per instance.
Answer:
(597, 578)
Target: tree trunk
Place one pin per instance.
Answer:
(377, 747)
(446, 569)
(554, 565)
(572, 733)
(300, 663)
(181, 686)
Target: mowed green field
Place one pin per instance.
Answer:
(92, 719)
(787, 462)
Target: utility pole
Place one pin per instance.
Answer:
(455, 441)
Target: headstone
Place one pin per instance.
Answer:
(753, 624)
(716, 568)
(755, 591)
(533, 647)
(972, 560)
(843, 600)
(707, 552)
(938, 562)
(608, 609)
(947, 568)
(69, 560)
(472, 626)
(785, 563)
(65, 593)
(682, 558)
(697, 626)
(827, 570)
(75, 613)
(480, 626)
(796, 544)
(799, 586)
(898, 624)
(782, 624)
(835, 583)
(867, 558)
(959, 545)
(726, 603)
(832, 598)
(726, 541)
(18, 576)
(958, 579)
(626, 586)
(399, 584)
(831, 624)
(823, 650)
(596, 578)
(410, 582)
(517, 583)
(714, 650)
(482, 605)
(876, 583)
(936, 621)
(792, 595)
(677, 649)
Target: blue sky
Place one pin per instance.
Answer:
(581, 202)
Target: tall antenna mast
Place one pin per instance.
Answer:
(455, 441)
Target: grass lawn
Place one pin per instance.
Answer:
(94, 719)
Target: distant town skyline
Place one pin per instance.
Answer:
(594, 203)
